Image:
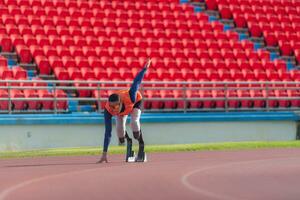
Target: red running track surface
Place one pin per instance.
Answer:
(230, 175)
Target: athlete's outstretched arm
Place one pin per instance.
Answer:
(137, 81)
(107, 135)
(108, 129)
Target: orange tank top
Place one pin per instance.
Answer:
(126, 101)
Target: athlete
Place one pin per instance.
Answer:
(120, 104)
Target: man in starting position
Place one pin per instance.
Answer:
(121, 104)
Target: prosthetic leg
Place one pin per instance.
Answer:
(141, 156)
(130, 156)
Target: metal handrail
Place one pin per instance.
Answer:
(181, 87)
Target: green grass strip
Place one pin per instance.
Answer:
(151, 148)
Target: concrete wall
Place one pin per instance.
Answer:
(24, 137)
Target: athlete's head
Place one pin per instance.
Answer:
(114, 102)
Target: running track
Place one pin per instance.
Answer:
(230, 175)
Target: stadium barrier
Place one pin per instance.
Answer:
(169, 96)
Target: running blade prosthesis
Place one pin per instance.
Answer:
(141, 157)
(130, 155)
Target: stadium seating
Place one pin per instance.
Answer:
(111, 40)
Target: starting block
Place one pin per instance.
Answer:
(131, 159)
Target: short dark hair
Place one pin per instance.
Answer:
(114, 98)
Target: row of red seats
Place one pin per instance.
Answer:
(152, 22)
(14, 73)
(33, 104)
(217, 41)
(269, 3)
(178, 12)
(168, 39)
(172, 4)
(181, 63)
(63, 18)
(274, 13)
(233, 102)
(213, 4)
(169, 83)
(129, 44)
(241, 19)
(125, 48)
(263, 17)
(174, 73)
(178, 50)
(158, 62)
(262, 14)
(265, 28)
(78, 55)
(172, 37)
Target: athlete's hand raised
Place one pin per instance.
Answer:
(148, 63)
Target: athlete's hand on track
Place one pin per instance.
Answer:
(103, 158)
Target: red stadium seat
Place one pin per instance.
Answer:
(286, 49)
(74, 73)
(255, 30)
(245, 103)
(49, 50)
(19, 73)
(207, 101)
(211, 4)
(68, 62)
(32, 104)
(168, 104)
(61, 73)
(42, 40)
(18, 104)
(225, 12)
(257, 103)
(293, 94)
(6, 43)
(283, 102)
(271, 101)
(43, 65)
(87, 73)
(60, 104)
(81, 62)
(219, 103)
(3, 62)
(4, 104)
(6, 73)
(46, 104)
(79, 91)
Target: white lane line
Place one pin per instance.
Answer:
(4, 193)
(186, 183)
